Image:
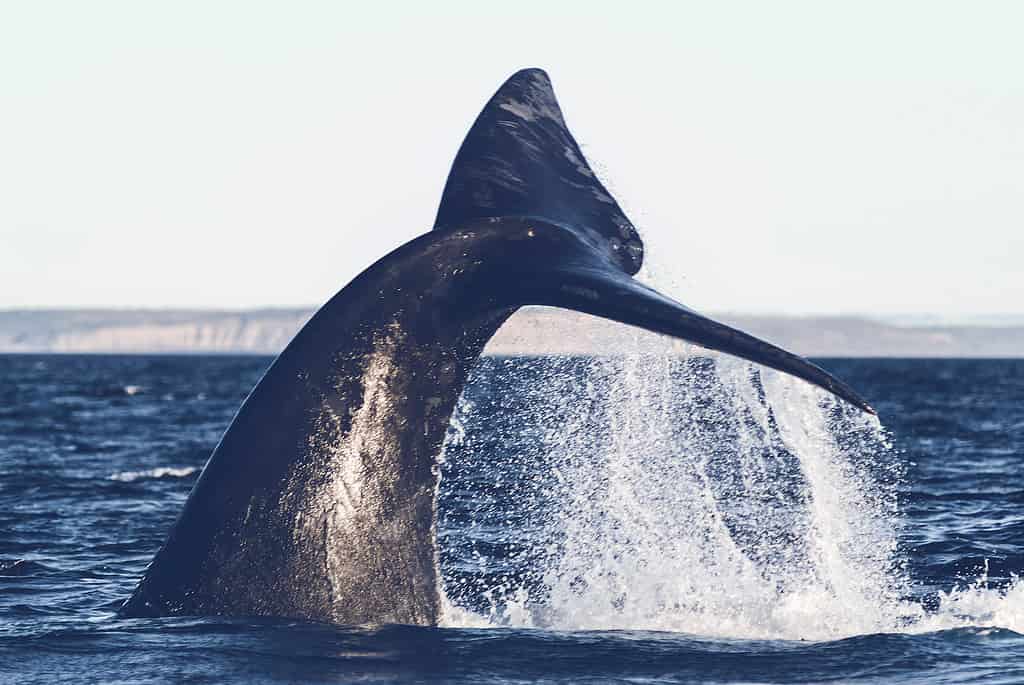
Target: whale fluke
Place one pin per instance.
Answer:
(519, 159)
(319, 501)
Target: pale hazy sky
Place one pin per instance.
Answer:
(818, 157)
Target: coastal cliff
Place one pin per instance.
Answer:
(533, 330)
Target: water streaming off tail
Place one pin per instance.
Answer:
(700, 495)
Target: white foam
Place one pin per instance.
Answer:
(977, 605)
(159, 472)
(753, 506)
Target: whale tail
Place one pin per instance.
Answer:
(319, 500)
(520, 160)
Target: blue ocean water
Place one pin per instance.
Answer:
(643, 521)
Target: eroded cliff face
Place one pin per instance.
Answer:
(534, 330)
(149, 331)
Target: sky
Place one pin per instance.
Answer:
(783, 157)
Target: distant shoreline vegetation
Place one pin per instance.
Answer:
(534, 330)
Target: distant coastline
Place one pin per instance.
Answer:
(534, 330)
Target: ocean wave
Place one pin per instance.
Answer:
(21, 567)
(159, 472)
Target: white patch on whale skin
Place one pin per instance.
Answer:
(538, 103)
(575, 160)
(533, 110)
(362, 512)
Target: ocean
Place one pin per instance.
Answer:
(636, 519)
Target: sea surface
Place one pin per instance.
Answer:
(630, 519)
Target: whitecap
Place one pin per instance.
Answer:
(159, 472)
